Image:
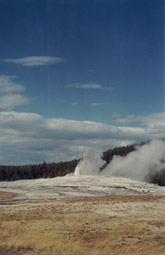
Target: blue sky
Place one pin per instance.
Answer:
(98, 63)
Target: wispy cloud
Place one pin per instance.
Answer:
(29, 137)
(97, 104)
(90, 85)
(151, 120)
(34, 60)
(8, 84)
(127, 118)
(10, 92)
(75, 103)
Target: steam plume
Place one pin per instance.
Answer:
(90, 165)
(136, 165)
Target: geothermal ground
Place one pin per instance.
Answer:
(77, 215)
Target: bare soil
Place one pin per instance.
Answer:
(7, 195)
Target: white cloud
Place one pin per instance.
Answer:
(11, 100)
(30, 138)
(90, 85)
(154, 120)
(35, 61)
(9, 96)
(7, 84)
(154, 123)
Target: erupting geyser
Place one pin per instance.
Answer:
(136, 165)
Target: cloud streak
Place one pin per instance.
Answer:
(90, 85)
(75, 103)
(150, 120)
(33, 61)
(97, 104)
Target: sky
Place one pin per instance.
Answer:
(79, 76)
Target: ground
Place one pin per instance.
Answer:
(106, 225)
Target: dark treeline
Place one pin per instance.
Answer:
(120, 151)
(49, 170)
(13, 173)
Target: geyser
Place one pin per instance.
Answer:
(136, 165)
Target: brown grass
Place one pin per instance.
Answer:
(124, 198)
(125, 225)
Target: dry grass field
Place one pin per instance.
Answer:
(112, 225)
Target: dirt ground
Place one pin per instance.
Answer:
(111, 225)
(7, 195)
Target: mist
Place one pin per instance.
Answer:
(90, 164)
(136, 165)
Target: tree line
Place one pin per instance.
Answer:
(13, 173)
